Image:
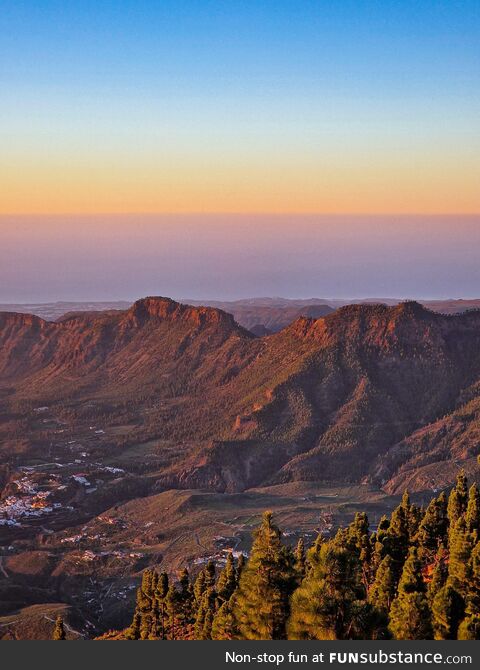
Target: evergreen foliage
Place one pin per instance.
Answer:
(300, 560)
(383, 589)
(416, 577)
(448, 609)
(223, 626)
(472, 515)
(433, 527)
(59, 630)
(410, 617)
(457, 500)
(439, 575)
(227, 582)
(325, 606)
(262, 600)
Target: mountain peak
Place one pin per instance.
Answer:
(154, 306)
(376, 323)
(166, 309)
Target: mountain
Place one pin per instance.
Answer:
(371, 393)
(258, 316)
(117, 351)
(262, 316)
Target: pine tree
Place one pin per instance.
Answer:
(204, 615)
(472, 591)
(300, 559)
(379, 541)
(145, 626)
(199, 587)
(207, 625)
(133, 632)
(161, 592)
(349, 587)
(227, 581)
(397, 540)
(382, 592)
(433, 527)
(459, 567)
(412, 579)
(414, 519)
(358, 533)
(469, 629)
(210, 573)
(59, 630)
(240, 565)
(199, 622)
(145, 603)
(439, 575)
(323, 607)
(358, 540)
(185, 598)
(262, 599)
(173, 612)
(155, 627)
(457, 500)
(154, 584)
(147, 586)
(448, 609)
(410, 613)
(312, 554)
(223, 626)
(472, 515)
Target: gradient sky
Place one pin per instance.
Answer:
(221, 149)
(277, 106)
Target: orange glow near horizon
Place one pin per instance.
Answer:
(268, 186)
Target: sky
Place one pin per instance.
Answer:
(248, 147)
(245, 106)
(237, 256)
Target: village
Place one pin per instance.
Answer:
(45, 491)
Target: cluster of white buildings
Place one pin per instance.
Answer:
(28, 502)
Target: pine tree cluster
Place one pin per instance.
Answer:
(415, 577)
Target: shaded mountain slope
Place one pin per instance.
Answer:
(114, 351)
(331, 396)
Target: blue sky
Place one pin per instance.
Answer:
(249, 43)
(341, 92)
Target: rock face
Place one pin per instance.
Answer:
(390, 394)
(106, 347)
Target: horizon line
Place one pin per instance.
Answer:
(237, 213)
(187, 301)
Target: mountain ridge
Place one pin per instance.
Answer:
(261, 316)
(327, 398)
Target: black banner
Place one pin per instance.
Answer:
(240, 655)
